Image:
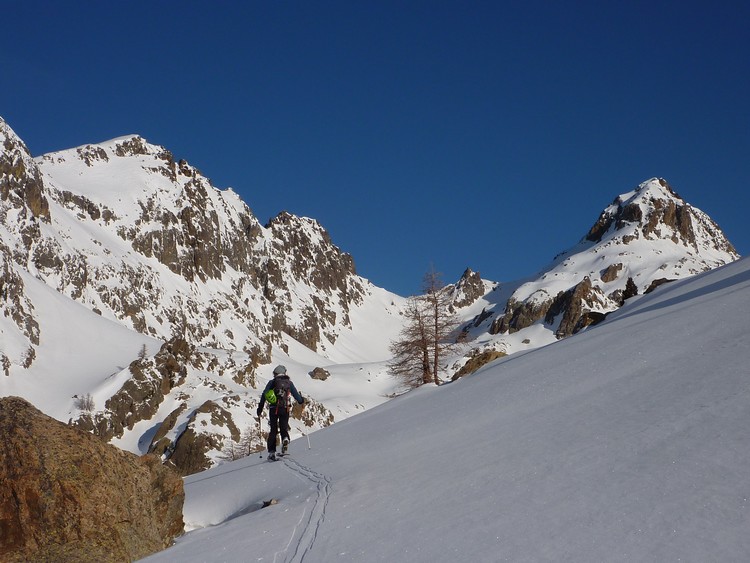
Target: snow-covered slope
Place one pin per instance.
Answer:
(626, 442)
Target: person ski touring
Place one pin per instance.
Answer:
(278, 394)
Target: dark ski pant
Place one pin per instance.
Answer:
(279, 419)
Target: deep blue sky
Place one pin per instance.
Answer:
(449, 134)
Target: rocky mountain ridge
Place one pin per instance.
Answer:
(178, 226)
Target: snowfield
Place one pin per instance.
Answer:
(626, 442)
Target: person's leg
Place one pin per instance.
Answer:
(284, 428)
(274, 422)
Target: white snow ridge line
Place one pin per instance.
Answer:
(317, 514)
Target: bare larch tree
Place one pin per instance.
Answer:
(424, 340)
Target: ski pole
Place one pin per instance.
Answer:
(308, 440)
(260, 435)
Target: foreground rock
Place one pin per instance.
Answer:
(67, 496)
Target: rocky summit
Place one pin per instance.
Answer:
(67, 496)
(646, 237)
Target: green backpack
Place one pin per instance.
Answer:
(270, 397)
(279, 394)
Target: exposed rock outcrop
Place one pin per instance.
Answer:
(320, 373)
(301, 254)
(477, 361)
(190, 446)
(575, 306)
(67, 496)
(20, 180)
(14, 302)
(140, 396)
(468, 289)
(23, 204)
(522, 314)
(191, 449)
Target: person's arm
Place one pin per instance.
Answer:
(296, 394)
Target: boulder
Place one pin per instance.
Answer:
(320, 373)
(477, 361)
(68, 496)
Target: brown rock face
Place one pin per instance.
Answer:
(477, 362)
(20, 180)
(520, 315)
(574, 305)
(320, 373)
(67, 496)
(191, 450)
(468, 289)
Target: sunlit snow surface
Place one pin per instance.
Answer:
(626, 442)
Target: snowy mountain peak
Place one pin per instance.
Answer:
(646, 237)
(124, 146)
(652, 189)
(654, 211)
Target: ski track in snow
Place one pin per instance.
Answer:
(316, 515)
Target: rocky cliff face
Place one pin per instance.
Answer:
(68, 496)
(468, 289)
(23, 205)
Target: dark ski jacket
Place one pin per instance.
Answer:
(271, 384)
